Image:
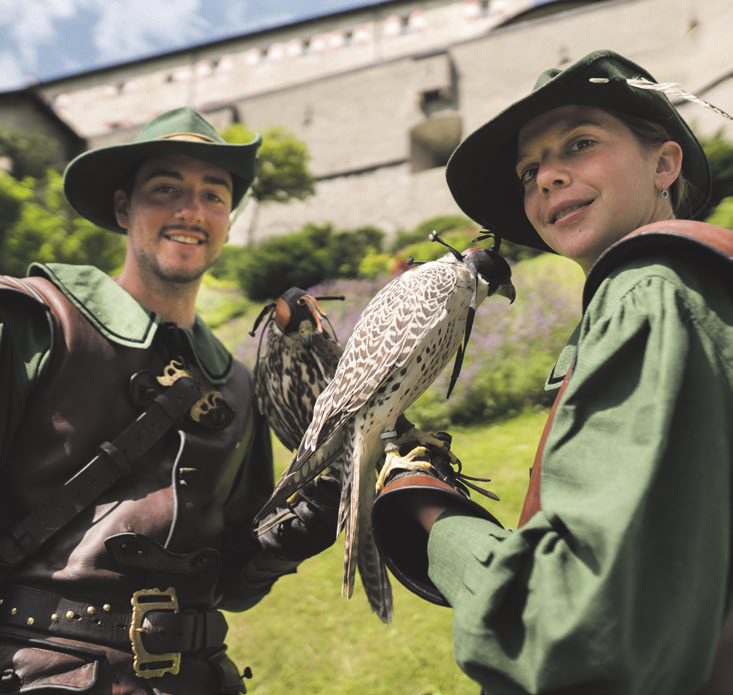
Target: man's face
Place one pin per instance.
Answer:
(176, 217)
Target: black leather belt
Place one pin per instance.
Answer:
(156, 630)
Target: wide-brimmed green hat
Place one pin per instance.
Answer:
(91, 179)
(481, 172)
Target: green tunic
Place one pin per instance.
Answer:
(622, 582)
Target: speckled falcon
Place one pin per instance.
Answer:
(298, 360)
(403, 340)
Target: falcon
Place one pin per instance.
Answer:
(298, 361)
(403, 340)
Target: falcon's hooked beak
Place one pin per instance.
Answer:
(305, 333)
(505, 289)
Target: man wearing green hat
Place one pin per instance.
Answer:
(133, 458)
(617, 577)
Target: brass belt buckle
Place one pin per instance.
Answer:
(149, 665)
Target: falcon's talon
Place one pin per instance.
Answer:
(427, 439)
(393, 460)
(326, 471)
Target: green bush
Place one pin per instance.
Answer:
(456, 227)
(440, 224)
(226, 268)
(302, 259)
(375, 264)
(719, 153)
(722, 215)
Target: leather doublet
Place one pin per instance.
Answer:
(175, 494)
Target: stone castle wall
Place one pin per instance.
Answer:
(382, 95)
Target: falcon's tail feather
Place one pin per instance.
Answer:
(350, 511)
(373, 573)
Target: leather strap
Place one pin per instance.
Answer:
(182, 632)
(532, 501)
(113, 461)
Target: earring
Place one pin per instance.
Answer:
(665, 193)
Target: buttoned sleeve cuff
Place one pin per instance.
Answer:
(459, 547)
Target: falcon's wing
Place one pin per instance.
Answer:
(392, 324)
(326, 353)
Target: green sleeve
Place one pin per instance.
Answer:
(621, 584)
(25, 343)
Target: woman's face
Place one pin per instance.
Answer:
(588, 181)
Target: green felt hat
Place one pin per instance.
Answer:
(481, 172)
(91, 179)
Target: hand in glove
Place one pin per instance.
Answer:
(307, 524)
(409, 504)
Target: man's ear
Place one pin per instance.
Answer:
(669, 164)
(121, 207)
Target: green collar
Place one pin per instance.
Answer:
(122, 320)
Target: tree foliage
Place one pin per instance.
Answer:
(719, 152)
(723, 214)
(39, 225)
(30, 154)
(283, 173)
(302, 259)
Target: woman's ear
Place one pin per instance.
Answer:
(669, 163)
(121, 207)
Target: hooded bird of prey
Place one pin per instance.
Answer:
(298, 360)
(403, 340)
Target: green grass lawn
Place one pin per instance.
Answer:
(305, 638)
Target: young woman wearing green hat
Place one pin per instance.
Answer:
(617, 578)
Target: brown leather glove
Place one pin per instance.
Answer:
(401, 539)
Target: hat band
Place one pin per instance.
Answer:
(189, 137)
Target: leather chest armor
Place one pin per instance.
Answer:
(176, 493)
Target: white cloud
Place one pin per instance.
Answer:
(30, 23)
(129, 28)
(111, 30)
(12, 75)
(50, 38)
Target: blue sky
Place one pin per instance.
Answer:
(44, 39)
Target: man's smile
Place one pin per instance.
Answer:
(184, 236)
